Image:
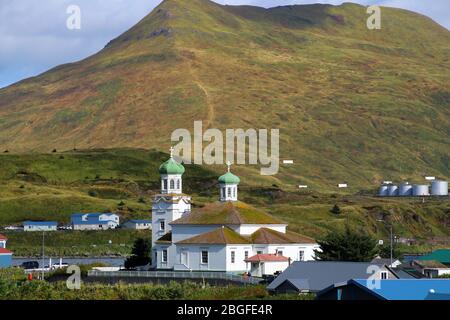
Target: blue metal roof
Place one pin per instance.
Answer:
(41, 223)
(92, 218)
(408, 289)
(93, 215)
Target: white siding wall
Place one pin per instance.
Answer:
(216, 257)
(274, 266)
(293, 250)
(168, 212)
(171, 256)
(239, 264)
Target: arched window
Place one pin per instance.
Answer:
(229, 192)
(178, 184)
(234, 192)
(172, 184)
(165, 184)
(223, 192)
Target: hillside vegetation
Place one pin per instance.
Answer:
(352, 104)
(53, 186)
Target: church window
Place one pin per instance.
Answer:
(205, 257)
(172, 184)
(165, 184)
(164, 256)
(301, 255)
(233, 256)
(178, 184)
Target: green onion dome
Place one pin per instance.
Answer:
(171, 167)
(229, 178)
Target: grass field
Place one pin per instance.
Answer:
(13, 286)
(53, 186)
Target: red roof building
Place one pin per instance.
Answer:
(5, 251)
(267, 258)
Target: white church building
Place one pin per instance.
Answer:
(227, 235)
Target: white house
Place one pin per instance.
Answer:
(138, 224)
(94, 221)
(40, 226)
(227, 235)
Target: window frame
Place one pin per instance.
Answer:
(164, 256)
(202, 261)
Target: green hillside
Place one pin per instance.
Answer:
(53, 186)
(352, 104)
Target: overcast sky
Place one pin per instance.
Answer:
(34, 36)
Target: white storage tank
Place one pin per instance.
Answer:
(421, 190)
(405, 190)
(383, 192)
(439, 188)
(392, 190)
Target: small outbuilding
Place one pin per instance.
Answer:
(267, 264)
(40, 226)
(138, 224)
(94, 221)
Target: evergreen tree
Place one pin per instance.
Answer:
(346, 246)
(140, 254)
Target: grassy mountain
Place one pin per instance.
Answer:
(351, 104)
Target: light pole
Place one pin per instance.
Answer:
(391, 238)
(392, 245)
(43, 253)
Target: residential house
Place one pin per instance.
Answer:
(363, 289)
(5, 254)
(226, 236)
(94, 221)
(441, 255)
(138, 224)
(40, 226)
(431, 268)
(386, 261)
(314, 276)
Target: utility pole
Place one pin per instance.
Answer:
(43, 253)
(392, 245)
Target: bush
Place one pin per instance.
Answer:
(93, 193)
(335, 209)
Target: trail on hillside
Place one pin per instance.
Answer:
(211, 110)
